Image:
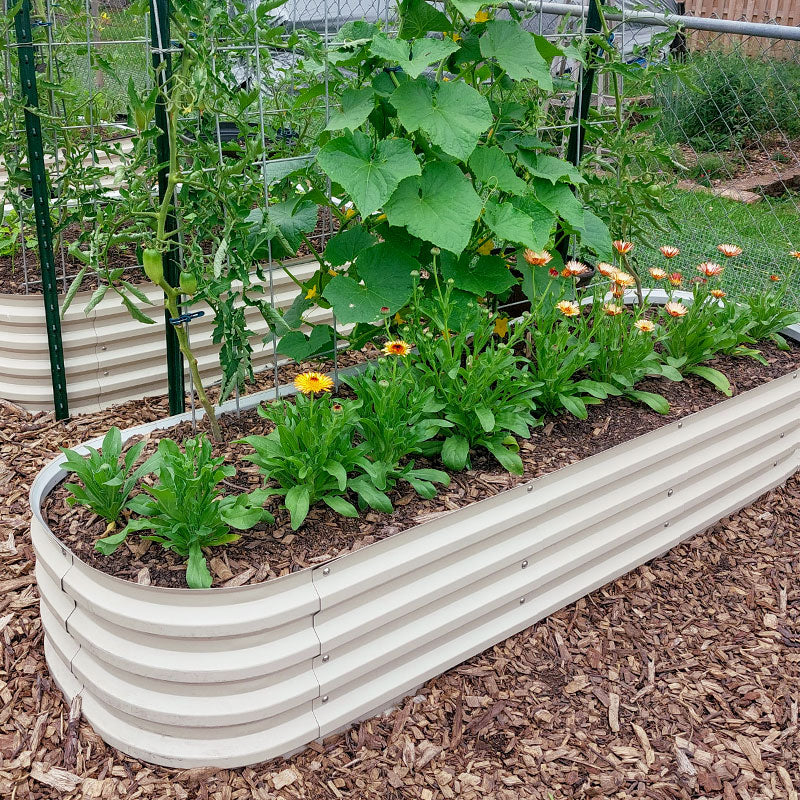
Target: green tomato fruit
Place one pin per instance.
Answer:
(153, 265)
(188, 283)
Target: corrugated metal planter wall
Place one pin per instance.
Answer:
(110, 358)
(230, 677)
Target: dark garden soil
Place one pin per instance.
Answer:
(13, 269)
(678, 681)
(270, 551)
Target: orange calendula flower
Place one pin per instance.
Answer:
(568, 308)
(676, 309)
(613, 310)
(397, 347)
(622, 247)
(313, 383)
(553, 272)
(729, 250)
(658, 273)
(710, 269)
(795, 254)
(537, 259)
(624, 279)
(668, 251)
(675, 278)
(574, 268)
(718, 293)
(774, 278)
(617, 291)
(606, 270)
(501, 326)
(644, 325)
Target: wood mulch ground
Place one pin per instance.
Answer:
(679, 680)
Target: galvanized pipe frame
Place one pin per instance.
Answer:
(228, 677)
(737, 27)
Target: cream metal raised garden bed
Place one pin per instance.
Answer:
(109, 357)
(229, 677)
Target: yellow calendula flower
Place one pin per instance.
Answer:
(486, 248)
(622, 247)
(644, 325)
(312, 292)
(397, 347)
(613, 310)
(313, 383)
(501, 326)
(481, 16)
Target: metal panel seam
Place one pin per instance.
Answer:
(314, 572)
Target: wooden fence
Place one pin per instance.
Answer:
(783, 12)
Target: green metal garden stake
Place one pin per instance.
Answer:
(162, 68)
(41, 204)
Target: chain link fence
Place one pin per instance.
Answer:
(733, 123)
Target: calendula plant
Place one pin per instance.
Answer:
(398, 416)
(559, 347)
(698, 330)
(475, 376)
(771, 309)
(311, 454)
(187, 511)
(108, 477)
(626, 352)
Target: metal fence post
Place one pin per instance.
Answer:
(41, 204)
(162, 68)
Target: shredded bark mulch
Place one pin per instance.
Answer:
(679, 680)
(269, 551)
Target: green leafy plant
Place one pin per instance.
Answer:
(186, 509)
(770, 310)
(560, 347)
(626, 352)
(398, 416)
(435, 146)
(108, 477)
(695, 333)
(312, 457)
(475, 375)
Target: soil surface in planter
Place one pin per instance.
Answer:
(271, 551)
(13, 269)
